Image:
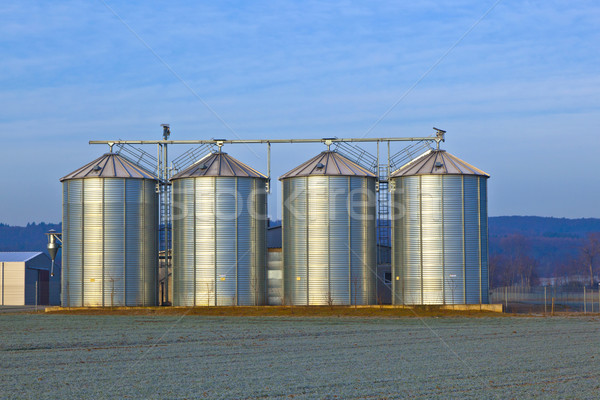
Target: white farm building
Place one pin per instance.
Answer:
(22, 273)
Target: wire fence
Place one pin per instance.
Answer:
(516, 299)
(43, 293)
(14, 293)
(546, 299)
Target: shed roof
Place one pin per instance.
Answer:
(18, 256)
(110, 165)
(219, 164)
(328, 163)
(438, 162)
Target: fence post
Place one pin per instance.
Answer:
(36, 296)
(506, 298)
(545, 306)
(553, 306)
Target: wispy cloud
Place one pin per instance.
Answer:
(71, 72)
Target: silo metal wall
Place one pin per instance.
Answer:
(110, 255)
(219, 241)
(329, 253)
(440, 240)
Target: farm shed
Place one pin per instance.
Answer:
(19, 273)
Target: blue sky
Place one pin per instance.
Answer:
(519, 95)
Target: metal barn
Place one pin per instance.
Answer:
(25, 279)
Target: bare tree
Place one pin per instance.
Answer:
(210, 285)
(569, 269)
(356, 286)
(590, 253)
(112, 292)
(514, 265)
(497, 269)
(329, 299)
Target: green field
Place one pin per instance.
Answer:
(137, 356)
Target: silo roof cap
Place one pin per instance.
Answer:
(219, 164)
(438, 162)
(328, 163)
(110, 165)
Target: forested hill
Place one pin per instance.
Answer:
(543, 226)
(26, 238)
(550, 241)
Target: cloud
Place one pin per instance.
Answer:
(72, 72)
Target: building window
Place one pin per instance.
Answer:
(387, 278)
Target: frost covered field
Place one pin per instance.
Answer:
(73, 356)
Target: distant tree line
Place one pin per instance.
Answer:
(522, 249)
(26, 238)
(514, 263)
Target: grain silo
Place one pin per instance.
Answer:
(219, 233)
(329, 232)
(110, 223)
(440, 231)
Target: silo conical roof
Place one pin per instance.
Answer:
(438, 162)
(219, 164)
(110, 165)
(328, 163)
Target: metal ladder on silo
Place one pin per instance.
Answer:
(149, 162)
(407, 154)
(382, 170)
(190, 157)
(383, 213)
(372, 163)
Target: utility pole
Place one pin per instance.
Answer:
(165, 213)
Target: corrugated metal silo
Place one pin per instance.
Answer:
(329, 243)
(439, 231)
(219, 233)
(110, 223)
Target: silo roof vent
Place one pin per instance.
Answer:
(110, 165)
(219, 164)
(328, 163)
(438, 162)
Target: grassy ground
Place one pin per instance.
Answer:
(52, 356)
